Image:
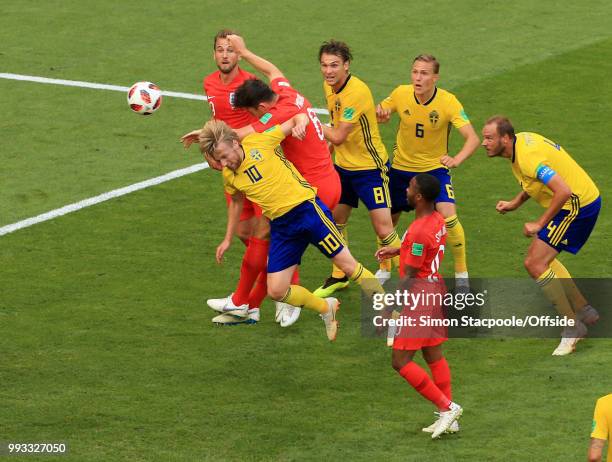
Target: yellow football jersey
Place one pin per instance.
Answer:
(266, 177)
(422, 135)
(363, 148)
(602, 421)
(533, 158)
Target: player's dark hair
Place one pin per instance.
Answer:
(503, 124)
(252, 93)
(429, 59)
(335, 47)
(428, 185)
(223, 33)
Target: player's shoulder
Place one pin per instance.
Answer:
(355, 84)
(211, 80)
(605, 401)
(403, 91)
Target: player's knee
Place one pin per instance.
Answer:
(398, 363)
(533, 266)
(277, 292)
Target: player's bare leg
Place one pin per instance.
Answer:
(456, 239)
(538, 264)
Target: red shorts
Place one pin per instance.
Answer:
(249, 209)
(427, 317)
(328, 187)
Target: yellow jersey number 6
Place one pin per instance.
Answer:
(329, 244)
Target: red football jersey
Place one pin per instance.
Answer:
(423, 246)
(311, 155)
(220, 99)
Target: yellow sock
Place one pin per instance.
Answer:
(392, 240)
(573, 293)
(553, 290)
(337, 272)
(369, 284)
(456, 239)
(302, 297)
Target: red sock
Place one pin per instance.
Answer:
(295, 279)
(259, 292)
(441, 374)
(253, 262)
(416, 376)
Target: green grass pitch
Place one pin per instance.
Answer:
(105, 340)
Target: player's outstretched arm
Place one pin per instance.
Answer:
(508, 206)
(383, 115)
(233, 218)
(337, 135)
(296, 126)
(262, 65)
(472, 142)
(596, 449)
(384, 253)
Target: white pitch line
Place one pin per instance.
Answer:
(104, 86)
(101, 198)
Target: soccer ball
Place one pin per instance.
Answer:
(144, 98)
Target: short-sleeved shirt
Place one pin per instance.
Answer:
(423, 246)
(221, 98)
(602, 421)
(536, 159)
(265, 177)
(353, 103)
(311, 155)
(424, 128)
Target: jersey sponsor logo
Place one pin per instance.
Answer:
(417, 249)
(255, 154)
(463, 115)
(348, 113)
(564, 242)
(407, 112)
(434, 117)
(265, 118)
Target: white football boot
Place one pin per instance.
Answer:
(280, 310)
(329, 318)
(225, 305)
(227, 319)
(290, 315)
(569, 338)
(446, 419)
(454, 428)
(382, 276)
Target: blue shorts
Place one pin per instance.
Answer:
(310, 222)
(570, 229)
(399, 180)
(371, 186)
